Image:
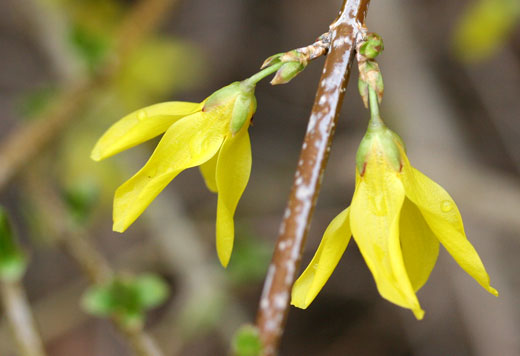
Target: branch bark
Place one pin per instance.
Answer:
(274, 302)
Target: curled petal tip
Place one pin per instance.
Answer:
(119, 227)
(224, 261)
(95, 156)
(419, 313)
(493, 291)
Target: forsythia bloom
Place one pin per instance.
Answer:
(397, 216)
(212, 134)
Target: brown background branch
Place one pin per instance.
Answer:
(21, 321)
(285, 263)
(29, 140)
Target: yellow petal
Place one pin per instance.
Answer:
(443, 217)
(189, 142)
(209, 171)
(374, 220)
(233, 170)
(333, 244)
(419, 245)
(140, 126)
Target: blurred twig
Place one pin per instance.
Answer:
(29, 140)
(21, 322)
(313, 159)
(75, 242)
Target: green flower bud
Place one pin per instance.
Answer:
(372, 47)
(287, 72)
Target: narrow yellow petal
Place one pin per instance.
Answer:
(419, 245)
(209, 173)
(443, 217)
(332, 246)
(233, 170)
(374, 220)
(140, 126)
(189, 142)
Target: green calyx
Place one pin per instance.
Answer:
(244, 102)
(222, 96)
(380, 140)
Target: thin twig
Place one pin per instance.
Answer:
(76, 242)
(282, 271)
(28, 141)
(21, 322)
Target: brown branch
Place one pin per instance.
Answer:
(28, 141)
(21, 322)
(274, 302)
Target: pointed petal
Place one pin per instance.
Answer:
(140, 126)
(374, 221)
(443, 217)
(332, 246)
(209, 173)
(419, 245)
(189, 142)
(233, 170)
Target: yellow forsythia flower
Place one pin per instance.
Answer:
(398, 216)
(212, 134)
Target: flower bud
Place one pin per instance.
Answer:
(372, 47)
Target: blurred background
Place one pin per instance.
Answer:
(71, 68)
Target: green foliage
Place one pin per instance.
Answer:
(12, 259)
(126, 298)
(484, 28)
(36, 101)
(157, 67)
(81, 198)
(91, 46)
(246, 342)
(251, 258)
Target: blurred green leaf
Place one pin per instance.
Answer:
(36, 102)
(81, 199)
(126, 298)
(484, 28)
(203, 312)
(156, 68)
(246, 342)
(250, 259)
(12, 260)
(91, 46)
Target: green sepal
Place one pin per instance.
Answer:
(244, 107)
(246, 341)
(378, 134)
(274, 59)
(223, 95)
